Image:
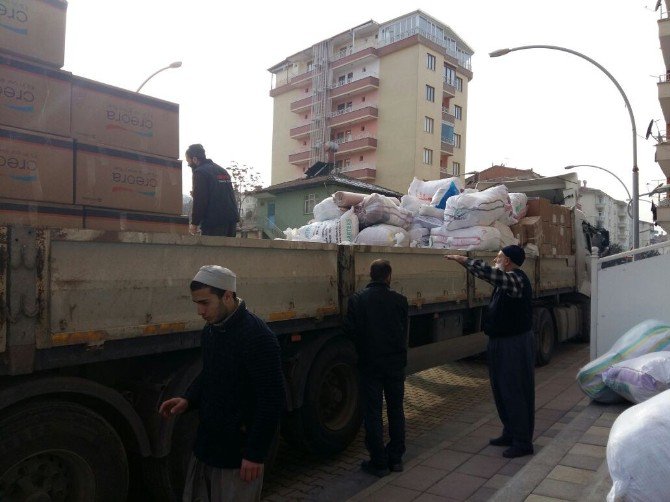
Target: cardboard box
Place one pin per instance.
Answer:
(533, 229)
(548, 250)
(34, 97)
(119, 118)
(129, 221)
(34, 30)
(36, 167)
(40, 214)
(519, 232)
(540, 207)
(117, 179)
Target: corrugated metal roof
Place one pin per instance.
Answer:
(331, 179)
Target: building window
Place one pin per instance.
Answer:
(350, 77)
(428, 156)
(430, 61)
(450, 76)
(310, 202)
(458, 112)
(430, 93)
(310, 66)
(456, 168)
(347, 162)
(457, 140)
(459, 84)
(428, 125)
(341, 80)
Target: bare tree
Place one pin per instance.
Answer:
(245, 179)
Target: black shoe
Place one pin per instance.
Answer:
(501, 441)
(380, 472)
(396, 466)
(516, 451)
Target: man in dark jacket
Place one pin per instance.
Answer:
(511, 350)
(239, 394)
(377, 320)
(214, 205)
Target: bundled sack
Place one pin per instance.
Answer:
(327, 210)
(477, 209)
(433, 212)
(506, 235)
(466, 239)
(411, 204)
(376, 209)
(638, 456)
(383, 235)
(336, 231)
(648, 336)
(425, 190)
(428, 221)
(640, 378)
(440, 198)
(519, 203)
(348, 199)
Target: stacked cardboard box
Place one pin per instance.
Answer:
(67, 142)
(548, 226)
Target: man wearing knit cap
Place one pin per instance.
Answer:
(239, 394)
(511, 350)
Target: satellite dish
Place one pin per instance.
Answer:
(658, 4)
(651, 124)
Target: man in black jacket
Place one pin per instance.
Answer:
(511, 350)
(239, 394)
(377, 320)
(214, 205)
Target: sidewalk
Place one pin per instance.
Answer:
(457, 462)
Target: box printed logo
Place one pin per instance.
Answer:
(14, 17)
(18, 166)
(133, 180)
(129, 120)
(17, 96)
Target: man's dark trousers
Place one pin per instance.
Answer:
(229, 230)
(512, 372)
(390, 384)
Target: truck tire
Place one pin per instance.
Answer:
(60, 451)
(330, 416)
(545, 335)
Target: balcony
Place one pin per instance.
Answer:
(302, 77)
(664, 95)
(663, 157)
(302, 105)
(350, 116)
(300, 131)
(447, 146)
(365, 172)
(447, 116)
(449, 88)
(360, 86)
(664, 36)
(355, 55)
(663, 214)
(600, 204)
(356, 143)
(299, 158)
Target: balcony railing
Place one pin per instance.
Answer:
(365, 141)
(299, 157)
(449, 87)
(447, 116)
(352, 81)
(353, 115)
(447, 145)
(352, 50)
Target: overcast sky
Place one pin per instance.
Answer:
(536, 109)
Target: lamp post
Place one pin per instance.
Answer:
(636, 190)
(176, 64)
(607, 171)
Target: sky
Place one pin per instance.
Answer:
(538, 109)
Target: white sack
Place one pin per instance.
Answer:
(640, 378)
(383, 235)
(476, 209)
(424, 190)
(411, 203)
(519, 202)
(327, 210)
(376, 209)
(466, 239)
(431, 211)
(428, 221)
(336, 231)
(506, 235)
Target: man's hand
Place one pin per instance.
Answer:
(193, 229)
(249, 470)
(456, 257)
(174, 406)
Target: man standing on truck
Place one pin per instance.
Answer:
(214, 204)
(377, 320)
(511, 351)
(239, 394)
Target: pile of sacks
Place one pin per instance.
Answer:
(636, 368)
(436, 214)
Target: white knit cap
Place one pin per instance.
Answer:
(217, 277)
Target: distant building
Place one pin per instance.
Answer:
(391, 95)
(604, 211)
(500, 174)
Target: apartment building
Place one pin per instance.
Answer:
(663, 147)
(604, 211)
(390, 99)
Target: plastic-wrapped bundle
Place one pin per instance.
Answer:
(640, 378)
(648, 336)
(466, 239)
(519, 203)
(327, 210)
(377, 209)
(383, 235)
(638, 456)
(428, 221)
(336, 231)
(425, 190)
(476, 209)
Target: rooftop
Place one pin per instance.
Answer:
(331, 179)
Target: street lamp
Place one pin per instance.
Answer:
(607, 171)
(636, 190)
(176, 64)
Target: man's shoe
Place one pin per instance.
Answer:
(515, 452)
(396, 466)
(501, 441)
(380, 472)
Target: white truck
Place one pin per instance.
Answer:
(97, 328)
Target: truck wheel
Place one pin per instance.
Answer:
(60, 451)
(330, 416)
(545, 335)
